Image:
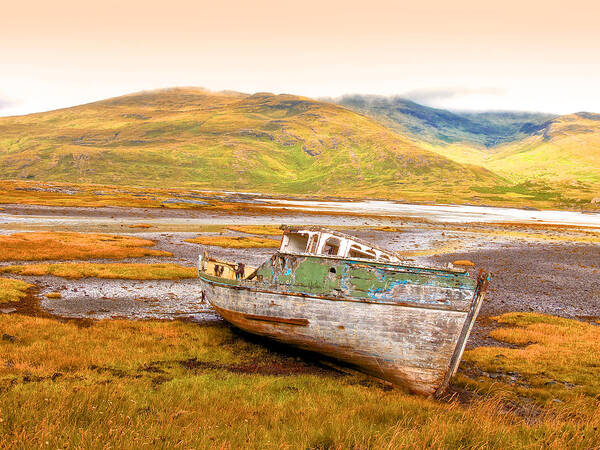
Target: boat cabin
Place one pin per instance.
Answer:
(322, 242)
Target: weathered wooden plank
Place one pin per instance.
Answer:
(408, 346)
(407, 325)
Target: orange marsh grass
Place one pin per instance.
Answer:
(557, 359)
(141, 225)
(235, 241)
(129, 271)
(268, 230)
(38, 246)
(130, 384)
(12, 290)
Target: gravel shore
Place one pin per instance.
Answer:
(539, 275)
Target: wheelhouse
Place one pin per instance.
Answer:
(321, 242)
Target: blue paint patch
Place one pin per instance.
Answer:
(385, 293)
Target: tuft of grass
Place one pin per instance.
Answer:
(38, 246)
(130, 271)
(235, 241)
(263, 230)
(463, 262)
(12, 290)
(555, 359)
(53, 295)
(139, 384)
(141, 225)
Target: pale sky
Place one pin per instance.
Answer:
(461, 54)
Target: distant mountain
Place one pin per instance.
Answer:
(546, 156)
(565, 149)
(190, 137)
(363, 147)
(442, 127)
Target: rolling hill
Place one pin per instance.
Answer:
(540, 155)
(563, 153)
(193, 138)
(442, 127)
(566, 149)
(366, 147)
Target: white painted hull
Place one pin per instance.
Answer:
(411, 346)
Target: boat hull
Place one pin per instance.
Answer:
(412, 346)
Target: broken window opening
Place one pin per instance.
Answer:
(296, 243)
(357, 252)
(312, 244)
(331, 247)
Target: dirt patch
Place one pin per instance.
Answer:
(30, 306)
(278, 368)
(282, 368)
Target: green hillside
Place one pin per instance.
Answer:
(189, 137)
(567, 149)
(441, 127)
(541, 156)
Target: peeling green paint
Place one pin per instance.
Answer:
(364, 280)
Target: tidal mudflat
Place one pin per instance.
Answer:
(181, 349)
(537, 267)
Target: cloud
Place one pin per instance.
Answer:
(436, 95)
(6, 103)
(9, 106)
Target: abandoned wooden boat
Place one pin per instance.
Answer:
(335, 294)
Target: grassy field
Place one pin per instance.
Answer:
(235, 241)
(39, 246)
(262, 230)
(174, 384)
(89, 270)
(554, 360)
(542, 195)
